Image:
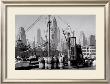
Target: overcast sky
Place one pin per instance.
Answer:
(78, 23)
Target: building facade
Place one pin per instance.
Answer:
(82, 39)
(22, 36)
(92, 40)
(38, 36)
(89, 51)
(55, 34)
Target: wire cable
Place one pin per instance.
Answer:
(36, 21)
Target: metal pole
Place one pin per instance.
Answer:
(49, 22)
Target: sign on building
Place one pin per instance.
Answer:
(72, 45)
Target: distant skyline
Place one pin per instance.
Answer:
(78, 23)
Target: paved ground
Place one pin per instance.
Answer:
(84, 68)
(36, 67)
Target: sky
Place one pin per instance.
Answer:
(78, 23)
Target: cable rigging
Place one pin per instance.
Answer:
(36, 21)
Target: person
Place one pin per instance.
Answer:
(94, 63)
(61, 62)
(56, 62)
(46, 65)
(41, 65)
(49, 62)
(52, 63)
(43, 62)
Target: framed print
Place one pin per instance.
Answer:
(55, 41)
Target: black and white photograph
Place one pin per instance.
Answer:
(55, 42)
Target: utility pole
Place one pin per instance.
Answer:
(49, 23)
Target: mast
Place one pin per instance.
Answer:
(49, 22)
